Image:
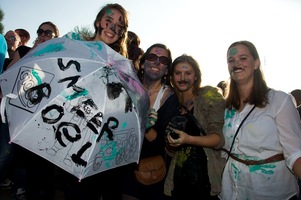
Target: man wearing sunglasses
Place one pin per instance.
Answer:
(13, 41)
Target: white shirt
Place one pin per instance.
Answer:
(266, 132)
(157, 103)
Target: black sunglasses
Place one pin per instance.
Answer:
(153, 57)
(47, 33)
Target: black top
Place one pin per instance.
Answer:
(22, 50)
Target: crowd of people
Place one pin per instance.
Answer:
(241, 139)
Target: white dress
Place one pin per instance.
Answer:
(266, 132)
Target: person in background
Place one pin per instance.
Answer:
(297, 96)
(24, 35)
(223, 85)
(262, 133)
(111, 24)
(134, 51)
(4, 154)
(3, 50)
(196, 166)
(46, 31)
(297, 101)
(153, 72)
(13, 41)
(30, 175)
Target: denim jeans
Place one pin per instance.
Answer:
(6, 151)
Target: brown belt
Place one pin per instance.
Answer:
(274, 158)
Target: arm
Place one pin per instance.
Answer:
(14, 60)
(297, 168)
(210, 141)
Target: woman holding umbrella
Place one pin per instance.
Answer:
(110, 26)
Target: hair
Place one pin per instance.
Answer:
(134, 51)
(223, 85)
(196, 68)
(133, 38)
(297, 95)
(165, 79)
(56, 30)
(23, 32)
(120, 45)
(258, 95)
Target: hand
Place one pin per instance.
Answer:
(174, 136)
(152, 118)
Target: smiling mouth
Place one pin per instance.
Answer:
(109, 34)
(183, 82)
(154, 69)
(236, 69)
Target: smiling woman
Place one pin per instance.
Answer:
(110, 26)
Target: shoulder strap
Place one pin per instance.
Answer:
(229, 152)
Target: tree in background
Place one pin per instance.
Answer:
(84, 30)
(1, 18)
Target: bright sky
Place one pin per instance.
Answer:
(201, 28)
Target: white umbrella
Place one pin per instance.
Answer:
(77, 104)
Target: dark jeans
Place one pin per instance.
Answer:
(6, 151)
(107, 185)
(40, 176)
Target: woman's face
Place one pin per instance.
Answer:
(156, 63)
(183, 77)
(45, 33)
(110, 27)
(241, 65)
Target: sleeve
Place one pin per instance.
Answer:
(210, 109)
(289, 127)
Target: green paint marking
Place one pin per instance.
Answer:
(233, 51)
(264, 168)
(230, 113)
(236, 171)
(36, 75)
(96, 44)
(109, 11)
(76, 95)
(49, 49)
(124, 125)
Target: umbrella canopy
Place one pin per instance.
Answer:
(78, 104)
